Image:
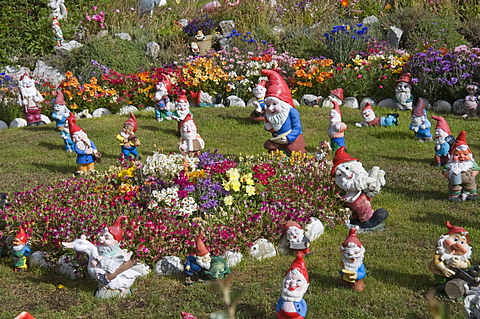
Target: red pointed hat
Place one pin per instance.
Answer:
(24, 75)
(291, 223)
(187, 118)
(406, 77)
(441, 124)
(460, 141)
(195, 97)
(352, 238)
(182, 97)
(200, 248)
(338, 93)
(336, 107)
(72, 126)
(262, 83)
(59, 99)
(24, 315)
(186, 315)
(367, 107)
(457, 230)
(22, 235)
(132, 120)
(419, 109)
(340, 157)
(299, 264)
(166, 81)
(116, 229)
(277, 87)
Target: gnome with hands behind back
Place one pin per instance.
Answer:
(352, 269)
(196, 264)
(86, 150)
(20, 251)
(403, 93)
(30, 98)
(127, 138)
(190, 140)
(443, 141)
(161, 99)
(60, 115)
(420, 124)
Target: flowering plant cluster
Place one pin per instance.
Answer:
(203, 23)
(95, 22)
(345, 38)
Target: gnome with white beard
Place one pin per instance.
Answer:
(258, 101)
(352, 269)
(403, 93)
(86, 150)
(443, 141)
(196, 264)
(190, 140)
(182, 109)
(30, 98)
(369, 118)
(281, 117)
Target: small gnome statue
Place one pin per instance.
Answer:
(196, 264)
(86, 150)
(420, 124)
(20, 251)
(127, 138)
(470, 103)
(461, 170)
(297, 242)
(161, 99)
(258, 101)
(295, 284)
(352, 269)
(182, 109)
(369, 118)
(60, 115)
(190, 140)
(30, 98)
(57, 32)
(443, 141)
(336, 129)
(335, 95)
(403, 93)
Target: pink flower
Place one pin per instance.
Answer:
(359, 76)
(94, 8)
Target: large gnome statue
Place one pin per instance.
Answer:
(336, 129)
(420, 124)
(352, 269)
(196, 264)
(369, 118)
(190, 140)
(86, 150)
(258, 101)
(161, 99)
(30, 98)
(295, 284)
(461, 170)
(60, 114)
(360, 187)
(443, 141)
(282, 119)
(127, 138)
(403, 93)
(20, 251)
(334, 96)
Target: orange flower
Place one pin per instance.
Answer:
(345, 3)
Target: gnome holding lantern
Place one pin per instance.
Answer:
(30, 98)
(461, 170)
(190, 140)
(161, 100)
(86, 150)
(127, 138)
(403, 93)
(20, 251)
(334, 96)
(352, 269)
(470, 103)
(443, 141)
(258, 101)
(295, 284)
(360, 187)
(420, 124)
(196, 264)
(60, 115)
(369, 118)
(296, 240)
(282, 119)
(336, 129)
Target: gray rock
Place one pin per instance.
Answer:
(388, 103)
(457, 107)
(68, 46)
(350, 102)
(314, 229)
(142, 269)
(127, 109)
(394, 36)
(153, 49)
(232, 258)
(370, 20)
(18, 122)
(367, 100)
(442, 106)
(282, 246)
(101, 112)
(124, 36)
(37, 260)
(102, 33)
(234, 101)
(168, 266)
(3, 125)
(309, 99)
(48, 73)
(278, 30)
(227, 26)
(262, 248)
(69, 266)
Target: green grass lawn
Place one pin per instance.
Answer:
(396, 259)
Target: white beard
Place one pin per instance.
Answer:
(402, 97)
(445, 254)
(457, 168)
(28, 92)
(190, 135)
(278, 118)
(352, 266)
(18, 247)
(204, 265)
(182, 114)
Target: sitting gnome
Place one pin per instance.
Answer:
(282, 119)
(403, 93)
(420, 124)
(360, 187)
(334, 96)
(296, 240)
(352, 269)
(369, 118)
(470, 103)
(295, 284)
(190, 140)
(196, 264)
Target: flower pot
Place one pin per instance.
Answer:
(204, 45)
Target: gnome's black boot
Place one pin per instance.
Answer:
(377, 218)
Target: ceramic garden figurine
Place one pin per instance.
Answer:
(194, 48)
(20, 251)
(403, 93)
(58, 9)
(161, 99)
(352, 269)
(369, 118)
(201, 99)
(296, 240)
(443, 141)
(420, 124)
(218, 269)
(295, 284)
(86, 150)
(282, 119)
(60, 115)
(30, 98)
(360, 187)
(336, 129)
(258, 101)
(127, 138)
(57, 31)
(200, 36)
(182, 109)
(196, 264)
(461, 170)
(470, 103)
(335, 95)
(190, 140)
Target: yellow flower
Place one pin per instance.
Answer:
(235, 185)
(233, 173)
(228, 200)
(226, 186)
(247, 179)
(250, 190)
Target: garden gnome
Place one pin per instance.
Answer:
(161, 100)
(470, 103)
(190, 140)
(295, 284)
(403, 93)
(194, 48)
(20, 251)
(30, 98)
(127, 138)
(57, 31)
(352, 269)
(335, 95)
(296, 240)
(86, 150)
(200, 36)
(461, 170)
(360, 187)
(282, 119)
(420, 124)
(201, 99)
(443, 141)
(58, 9)
(60, 115)
(196, 264)
(369, 118)
(336, 129)
(182, 109)
(258, 101)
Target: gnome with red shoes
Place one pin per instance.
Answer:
(443, 141)
(86, 150)
(336, 129)
(359, 187)
(296, 240)
(295, 284)
(20, 251)
(352, 268)
(420, 124)
(161, 99)
(461, 170)
(334, 96)
(403, 93)
(282, 119)
(190, 140)
(196, 264)
(127, 138)
(258, 101)
(369, 118)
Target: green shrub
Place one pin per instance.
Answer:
(303, 43)
(470, 29)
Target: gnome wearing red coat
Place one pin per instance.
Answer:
(20, 251)
(369, 118)
(127, 138)
(443, 141)
(352, 269)
(282, 119)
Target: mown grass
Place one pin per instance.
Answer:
(396, 259)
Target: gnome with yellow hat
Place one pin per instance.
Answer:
(127, 138)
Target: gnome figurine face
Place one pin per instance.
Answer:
(20, 251)
(352, 267)
(296, 240)
(260, 90)
(403, 93)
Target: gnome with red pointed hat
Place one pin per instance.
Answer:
(128, 140)
(336, 96)
(369, 118)
(352, 268)
(258, 101)
(20, 251)
(60, 115)
(296, 239)
(295, 284)
(196, 264)
(443, 141)
(161, 99)
(336, 129)
(403, 92)
(182, 109)
(86, 150)
(30, 98)
(190, 140)
(461, 170)
(359, 187)
(420, 124)
(282, 119)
